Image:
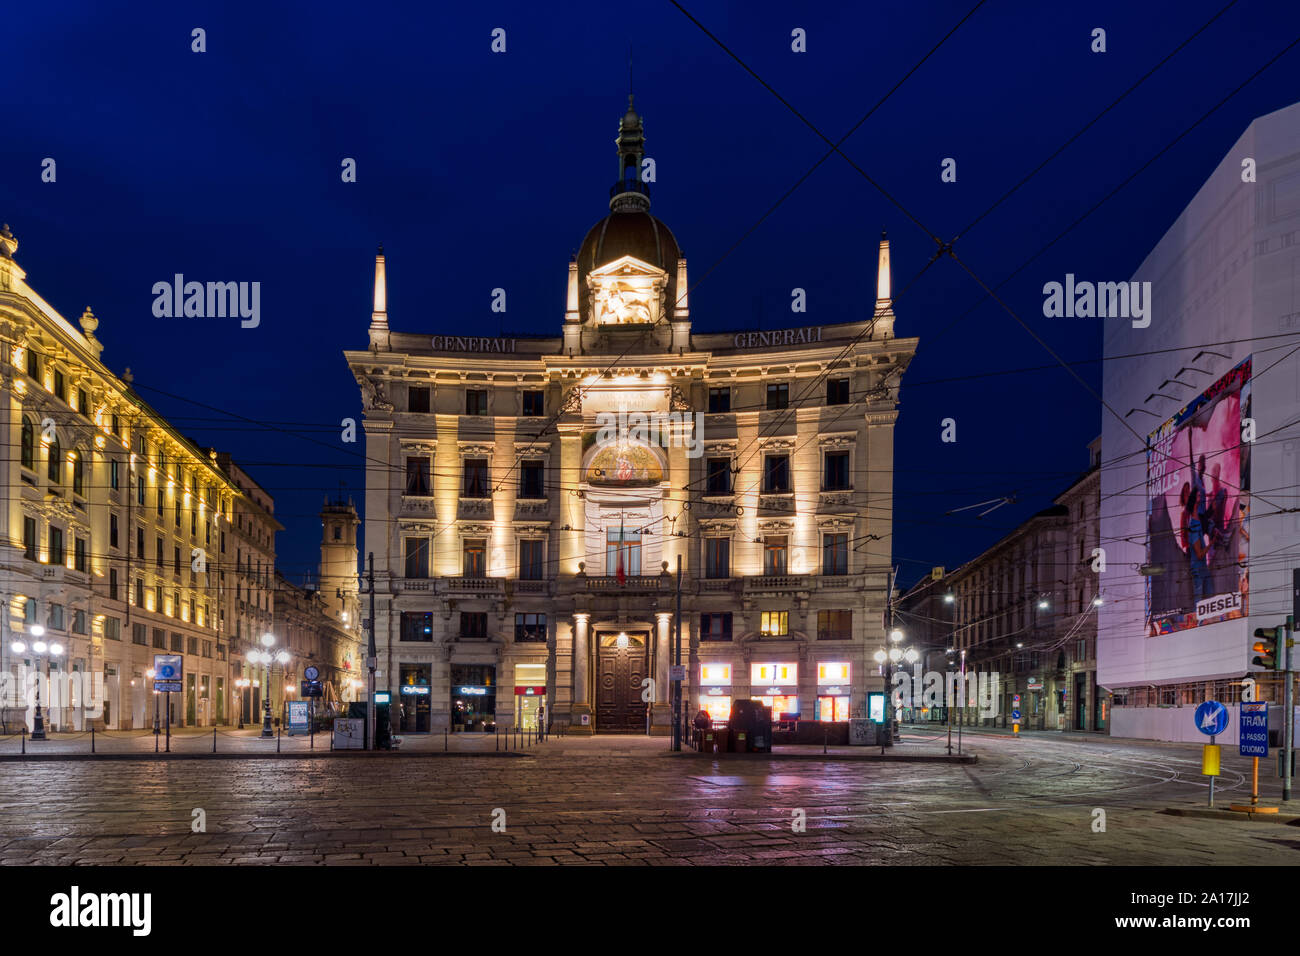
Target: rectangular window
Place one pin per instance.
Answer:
(139, 543)
(715, 627)
(474, 558)
(534, 402)
(532, 479)
(717, 476)
(139, 592)
(530, 628)
(57, 555)
(837, 391)
(112, 629)
(531, 567)
(774, 554)
(78, 622)
(417, 557)
(83, 403)
(139, 490)
(835, 554)
(56, 616)
(177, 643)
(835, 471)
(775, 623)
(417, 398)
(158, 552)
(60, 386)
(33, 363)
(834, 625)
(624, 541)
(475, 401)
(112, 584)
(29, 538)
(79, 553)
(717, 557)
(192, 646)
(176, 560)
(720, 400)
(114, 473)
(417, 626)
(473, 624)
(776, 474)
(139, 634)
(160, 638)
(112, 530)
(417, 477)
(778, 396)
(159, 507)
(476, 478)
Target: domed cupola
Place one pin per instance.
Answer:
(629, 270)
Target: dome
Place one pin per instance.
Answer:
(628, 233)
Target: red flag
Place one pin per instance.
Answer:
(619, 573)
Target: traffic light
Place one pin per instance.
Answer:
(1265, 647)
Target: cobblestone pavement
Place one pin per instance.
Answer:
(627, 801)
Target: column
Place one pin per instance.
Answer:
(661, 717)
(581, 697)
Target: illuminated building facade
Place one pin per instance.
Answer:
(110, 534)
(529, 500)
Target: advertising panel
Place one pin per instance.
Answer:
(1198, 510)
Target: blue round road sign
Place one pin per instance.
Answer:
(1015, 715)
(1211, 718)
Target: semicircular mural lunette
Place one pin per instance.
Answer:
(625, 464)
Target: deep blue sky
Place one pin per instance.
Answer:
(478, 170)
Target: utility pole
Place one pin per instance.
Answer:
(677, 662)
(371, 659)
(1288, 699)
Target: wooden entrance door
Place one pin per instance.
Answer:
(619, 673)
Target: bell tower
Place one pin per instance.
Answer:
(338, 562)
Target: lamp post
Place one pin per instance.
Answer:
(266, 658)
(42, 651)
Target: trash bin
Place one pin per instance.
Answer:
(760, 739)
(751, 727)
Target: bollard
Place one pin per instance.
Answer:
(24, 738)
(214, 739)
(824, 732)
(444, 740)
(496, 739)
(92, 738)
(277, 739)
(155, 743)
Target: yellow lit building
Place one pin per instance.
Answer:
(110, 535)
(530, 499)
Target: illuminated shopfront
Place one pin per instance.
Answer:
(530, 694)
(414, 699)
(832, 691)
(715, 690)
(473, 697)
(776, 684)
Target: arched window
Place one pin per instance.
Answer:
(78, 474)
(54, 470)
(29, 443)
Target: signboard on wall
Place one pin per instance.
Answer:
(1198, 510)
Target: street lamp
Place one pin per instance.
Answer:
(41, 650)
(266, 658)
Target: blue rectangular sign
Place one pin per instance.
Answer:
(1254, 728)
(167, 686)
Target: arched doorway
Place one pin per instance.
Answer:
(623, 662)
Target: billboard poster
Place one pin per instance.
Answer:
(1198, 510)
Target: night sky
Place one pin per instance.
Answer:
(479, 170)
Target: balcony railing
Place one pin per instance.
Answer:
(631, 582)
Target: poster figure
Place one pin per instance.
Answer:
(1198, 505)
